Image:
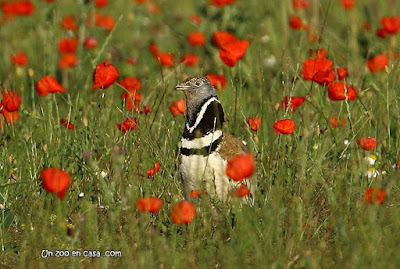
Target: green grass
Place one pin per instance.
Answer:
(308, 211)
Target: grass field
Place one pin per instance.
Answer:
(310, 209)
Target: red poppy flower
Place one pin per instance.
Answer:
(196, 38)
(19, 59)
(67, 45)
(381, 33)
(190, 59)
(324, 77)
(90, 42)
(132, 60)
(220, 38)
(367, 143)
(128, 124)
(391, 25)
(105, 21)
(104, 75)
(300, 4)
(178, 107)
(22, 8)
(130, 83)
(154, 50)
(240, 191)
(149, 204)
(69, 23)
(150, 172)
(157, 166)
(221, 3)
(240, 167)
(341, 73)
(296, 23)
(295, 101)
(374, 195)
(195, 19)
(312, 66)
(254, 123)
(55, 180)
(67, 124)
(286, 126)
(337, 90)
(183, 212)
(101, 3)
(132, 99)
(166, 59)
(366, 26)
(233, 51)
(218, 81)
(334, 121)
(197, 193)
(321, 53)
(378, 63)
(48, 84)
(11, 101)
(67, 60)
(347, 4)
(9, 116)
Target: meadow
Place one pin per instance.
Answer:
(324, 198)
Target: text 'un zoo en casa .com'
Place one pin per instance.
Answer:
(80, 253)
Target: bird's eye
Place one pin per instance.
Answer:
(198, 83)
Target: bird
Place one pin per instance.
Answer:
(205, 148)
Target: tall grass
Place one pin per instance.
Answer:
(308, 210)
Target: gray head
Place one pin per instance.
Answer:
(196, 90)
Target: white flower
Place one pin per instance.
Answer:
(372, 173)
(370, 159)
(346, 142)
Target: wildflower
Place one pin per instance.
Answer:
(222, 3)
(17, 8)
(67, 124)
(69, 23)
(296, 23)
(197, 193)
(320, 54)
(11, 101)
(378, 63)
(196, 38)
(166, 59)
(254, 123)
(183, 212)
(300, 4)
(347, 4)
(240, 167)
(67, 60)
(132, 99)
(55, 180)
(233, 51)
(313, 66)
(220, 38)
(286, 126)
(155, 168)
(48, 84)
(190, 59)
(240, 191)
(9, 116)
(106, 22)
(101, 3)
(67, 45)
(341, 73)
(19, 59)
(131, 60)
(195, 19)
(334, 121)
(104, 75)
(178, 107)
(374, 195)
(367, 143)
(371, 159)
(149, 204)
(90, 42)
(130, 83)
(391, 25)
(218, 81)
(338, 91)
(127, 124)
(295, 101)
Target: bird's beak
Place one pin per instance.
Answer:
(181, 87)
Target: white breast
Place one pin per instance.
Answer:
(205, 173)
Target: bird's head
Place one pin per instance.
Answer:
(196, 89)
